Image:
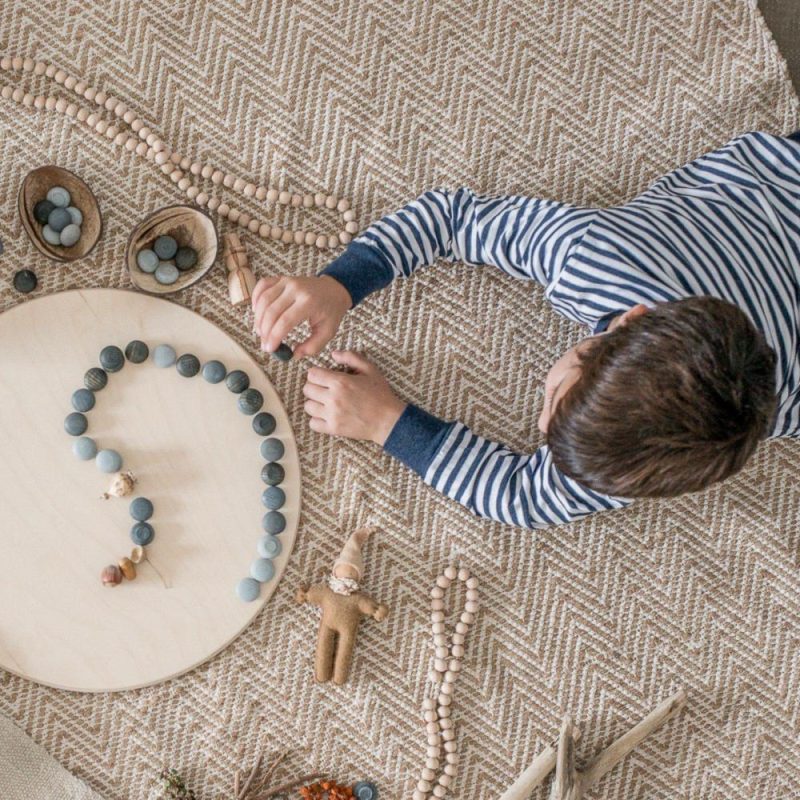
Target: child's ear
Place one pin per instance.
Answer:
(632, 313)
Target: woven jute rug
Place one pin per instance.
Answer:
(578, 100)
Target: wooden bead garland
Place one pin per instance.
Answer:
(446, 668)
(181, 169)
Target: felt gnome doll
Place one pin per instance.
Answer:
(342, 606)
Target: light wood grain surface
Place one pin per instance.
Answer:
(195, 456)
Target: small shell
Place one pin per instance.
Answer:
(121, 485)
(127, 568)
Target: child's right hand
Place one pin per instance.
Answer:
(280, 304)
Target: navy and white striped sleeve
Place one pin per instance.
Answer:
(488, 478)
(526, 238)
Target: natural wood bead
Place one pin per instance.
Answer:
(432, 763)
(5, 63)
(468, 618)
(234, 214)
(17, 95)
(263, 230)
(213, 203)
(450, 747)
(438, 627)
(71, 110)
(249, 190)
(192, 192)
(343, 205)
(61, 105)
(287, 237)
(162, 158)
(128, 117)
(141, 149)
(149, 154)
(50, 70)
(28, 64)
(89, 92)
(83, 115)
(110, 103)
(428, 774)
(333, 241)
(446, 688)
(458, 638)
(80, 87)
(238, 185)
(70, 82)
(166, 168)
(130, 144)
(319, 199)
(308, 201)
(111, 131)
(322, 242)
(16, 62)
(201, 199)
(195, 168)
(311, 238)
(272, 195)
(120, 108)
(284, 198)
(432, 727)
(6, 92)
(100, 98)
(244, 219)
(59, 77)
(275, 233)
(450, 769)
(349, 215)
(351, 227)
(443, 712)
(175, 158)
(472, 583)
(223, 210)
(331, 201)
(137, 125)
(228, 181)
(428, 704)
(451, 572)
(151, 139)
(261, 193)
(439, 791)
(144, 132)
(418, 795)
(461, 627)
(345, 237)
(446, 724)
(186, 162)
(100, 126)
(471, 606)
(27, 100)
(184, 183)
(206, 171)
(297, 200)
(39, 101)
(423, 786)
(299, 237)
(448, 735)
(445, 780)
(253, 226)
(443, 582)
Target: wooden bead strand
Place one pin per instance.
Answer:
(181, 170)
(442, 751)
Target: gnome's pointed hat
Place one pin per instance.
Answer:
(351, 554)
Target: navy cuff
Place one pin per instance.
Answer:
(416, 438)
(361, 270)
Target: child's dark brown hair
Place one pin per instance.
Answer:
(672, 401)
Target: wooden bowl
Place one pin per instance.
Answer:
(191, 227)
(35, 187)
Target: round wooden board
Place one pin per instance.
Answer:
(195, 455)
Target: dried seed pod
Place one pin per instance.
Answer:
(121, 485)
(127, 568)
(111, 575)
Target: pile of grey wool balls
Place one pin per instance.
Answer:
(60, 220)
(166, 259)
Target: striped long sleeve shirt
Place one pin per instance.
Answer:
(725, 225)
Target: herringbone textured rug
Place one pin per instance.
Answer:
(377, 100)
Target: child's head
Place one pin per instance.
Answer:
(670, 400)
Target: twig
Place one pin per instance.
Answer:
(287, 787)
(236, 784)
(241, 795)
(268, 774)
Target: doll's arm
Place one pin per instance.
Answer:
(369, 608)
(312, 595)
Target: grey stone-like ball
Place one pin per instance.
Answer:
(264, 423)
(83, 400)
(51, 236)
(237, 381)
(147, 260)
(59, 196)
(248, 589)
(283, 353)
(164, 356)
(165, 247)
(188, 365)
(95, 379)
(137, 352)
(214, 371)
(274, 522)
(76, 215)
(250, 401)
(112, 359)
(70, 235)
(141, 509)
(108, 461)
(166, 273)
(142, 533)
(262, 569)
(273, 473)
(84, 448)
(25, 281)
(76, 424)
(272, 449)
(273, 497)
(185, 258)
(41, 211)
(268, 546)
(59, 219)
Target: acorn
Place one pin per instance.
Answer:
(121, 485)
(127, 568)
(111, 575)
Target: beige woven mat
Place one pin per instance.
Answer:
(378, 100)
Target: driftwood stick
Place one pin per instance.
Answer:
(270, 772)
(236, 784)
(617, 750)
(250, 777)
(567, 783)
(536, 774)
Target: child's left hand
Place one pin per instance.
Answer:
(359, 404)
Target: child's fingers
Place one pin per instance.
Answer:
(350, 358)
(313, 408)
(272, 314)
(261, 285)
(268, 297)
(320, 376)
(284, 325)
(315, 392)
(318, 425)
(314, 344)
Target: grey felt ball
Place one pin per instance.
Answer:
(214, 371)
(76, 215)
(25, 281)
(237, 381)
(59, 196)
(141, 509)
(272, 473)
(248, 589)
(188, 365)
(250, 401)
(268, 546)
(76, 424)
(108, 461)
(41, 211)
(185, 258)
(142, 533)
(112, 359)
(273, 497)
(147, 260)
(83, 400)
(273, 522)
(59, 219)
(165, 247)
(272, 449)
(283, 353)
(95, 379)
(137, 352)
(166, 273)
(263, 423)
(262, 569)
(70, 235)
(84, 448)
(51, 236)
(164, 356)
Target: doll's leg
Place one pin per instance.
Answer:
(344, 655)
(326, 646)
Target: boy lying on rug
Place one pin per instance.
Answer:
(692, 295)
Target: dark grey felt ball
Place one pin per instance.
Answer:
(137, 352)
(214, 371)
(273, 522)
(95, 379)
(272, 473)
(237, 381)
(41, 211)
(58, 219)
(273, 497)
(112, 359)
(264, 423)
(185, 258)
(25, 281)
(83, 400)
(165, 247)
(250, 401)
(272, 449)
(142, 534)
(188, 365)
(141, 509)
(283, 353)
(76, 424)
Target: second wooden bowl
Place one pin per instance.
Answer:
(191, 227)
(35, 187)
